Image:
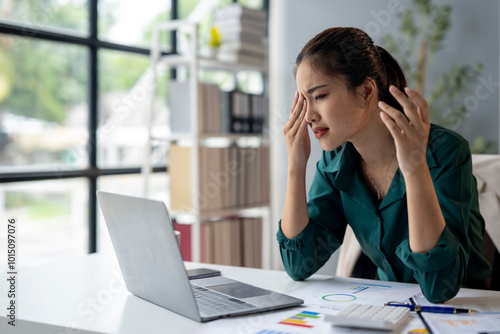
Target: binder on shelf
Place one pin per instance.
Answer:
(252, 242)
(225, 177)
(225, 111)
(257, 249)
(234, 169)
(185, 231)
(180, 178)
(207, 247)
(235, 243)
(242, 177)
(240, 113)
(209, 108)
(220, 112)
(258, 110)
(219, 242)
(180, 103)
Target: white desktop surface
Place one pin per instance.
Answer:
(89, 293)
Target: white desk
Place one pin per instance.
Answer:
(89, 293)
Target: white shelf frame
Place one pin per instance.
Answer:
(159, 64)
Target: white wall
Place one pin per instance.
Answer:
(474, 36)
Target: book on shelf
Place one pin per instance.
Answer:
(209, 115)
(248, 113)
(180, 178)
(241, 57)
(253, 49)
(252, 248)
(235, 246)
(185, 245)
(226, 99)
(221, 241)
(243, 35)
(258, 110)
(237, 10)
(241, 195)
(232, 241)
(229, 178)
(207, 250)
(240, 113)
(233, 167)
(180, 103)
(249, 26)
(219, 112)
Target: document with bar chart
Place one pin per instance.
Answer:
(324, 297)
(298, 320)
(334, 294)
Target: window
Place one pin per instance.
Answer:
(64, 70)
(43, 106)
(51, 218)
(130, 22)
(123, 102)
(71, 114)
(63, 16)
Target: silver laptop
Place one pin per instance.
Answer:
(151, 263)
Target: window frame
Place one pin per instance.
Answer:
(93, 45)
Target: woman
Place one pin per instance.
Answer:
(405, 186)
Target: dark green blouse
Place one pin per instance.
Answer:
(339, 196)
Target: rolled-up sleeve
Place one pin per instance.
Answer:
(440, 271)
(303, 255)
(443, 270)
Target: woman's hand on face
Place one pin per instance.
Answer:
(297, 139)
(410, 134)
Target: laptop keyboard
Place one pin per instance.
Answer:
(211, 302)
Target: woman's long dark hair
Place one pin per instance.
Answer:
(349, 53)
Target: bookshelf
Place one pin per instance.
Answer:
(235, 210)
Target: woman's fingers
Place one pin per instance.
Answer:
(293, 112)
(422, 106)
(396, 116)
(393, 128)
(301, 121)
(295, 100)
(409, 106)
(300, 117)
(297, 115)
(298, 104)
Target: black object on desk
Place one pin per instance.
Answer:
(202, 273)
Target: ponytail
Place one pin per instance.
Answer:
(393, 76)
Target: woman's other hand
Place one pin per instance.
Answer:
(410, 133)
(297, 139)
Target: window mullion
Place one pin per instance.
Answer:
(93, 123)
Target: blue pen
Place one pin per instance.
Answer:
(432, 309)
